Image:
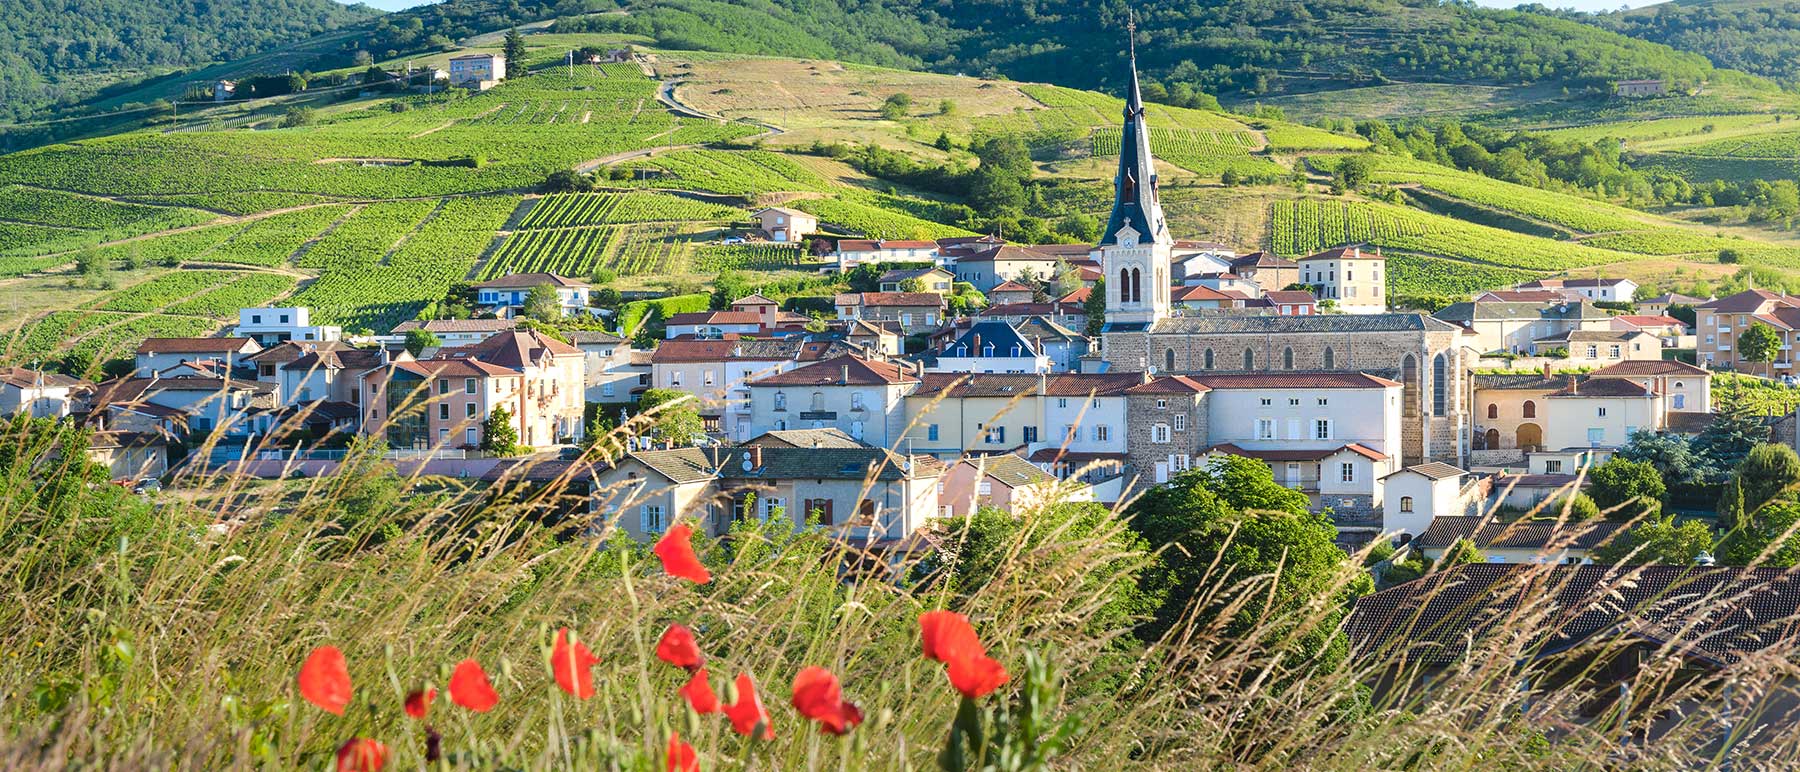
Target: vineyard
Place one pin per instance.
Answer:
(273, 239)
(40, 222)
(564, 252)
(731, 172)
(86, 337)
(249, 290)
(1293, 137)
(1418, 275)
(875, 222)
(163, 290)
(367, 235)
(752, 257)
(1760, 396)
(572, 209)
(1308, 226)
(1782, 145)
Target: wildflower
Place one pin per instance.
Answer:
(677, 648)
(677, 553)
(361, 754)
(325, 679)
(469, 687)
(573, 664)
(947, 637)
(747, 713)
(681, 755)
(419, 701)
(818, 696)
(699, 693)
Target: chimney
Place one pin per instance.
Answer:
(844, 375)
(756, 460)
(1574, 385)
(1546, 371)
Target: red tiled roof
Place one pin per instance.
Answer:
(1290, 297)
(875, 245)
(1642, 320)
(1170, 384)
(1285, 380)
(1198, 293)
(714, 317)
(1606, 387)
(849, 370)
(192, 345)
(1013, 252)
(1078, 296)
(1632, 368)
(1746, 302)
(1011, 286)
(878, 299)
(1346, 252)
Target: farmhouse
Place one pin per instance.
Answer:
(477, 71)
(779, 223)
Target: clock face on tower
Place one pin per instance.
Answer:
(1128, 237)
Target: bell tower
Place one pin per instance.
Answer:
(1135, 247)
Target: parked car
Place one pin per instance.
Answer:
(146, 486)
(732, 240)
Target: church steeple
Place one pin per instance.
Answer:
(1136, 202)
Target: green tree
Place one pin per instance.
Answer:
(1352, 173)
(1769, 471)
(1579, 507)
(95, 270)
(1769, 537)
(1065, 280)
(1758, 343)
(914, 284)
(514, 50)
(729, 287)
(1658, 540)
(1242, 545)
(566, 181)
(674, 416)
(896, 106)
(946, 107)
(421, 339)
(299, 116)
(1094, 308)
(993, 191)
(543, 304)
(1626, 489)
(1461, 552)
(498, 436)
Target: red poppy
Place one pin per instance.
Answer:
(818, 696)
(977, 676)
(419, 701)
(676, 550)
(681, 755)
(469, 687)
(573, 665)
(699, 694)
(361, 754)
(325, 679)
(748, 712)
(677, 648)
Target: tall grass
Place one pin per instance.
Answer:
(137, 637)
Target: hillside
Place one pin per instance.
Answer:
(1755, 36)
(60, 53)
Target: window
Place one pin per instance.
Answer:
(1406, 504)
(1162, 404)
(1207, 359)
(443, 411)
(1324, 402)
(1180, 422)
(1159, 434)
(986, 488)
(675, 378)
(443, 385)
(1030, 434)
(472, 436)
(1293, 401)
(1287, 358)
(1095, 404)
(1440, 385)
(856, 400)
(1072, 433)
(1322, 429)
(1601, 412)
(469, 410)
(818, 508)
(1680, 400)
(706, 377)
(781, 400)
(1249, 359)
(1169, 359)
(1265, 428)
(1330, 358)
(1267, 401)
(770, 505)
(1593, 351)
(1530, 409)
(1101, 432)
(1613, 351)
(1493, 411)
(650, 518)
(256, 318)
(1347, 472)
(996, 435)
(1062, 402)
(468, 385)
(931, 433)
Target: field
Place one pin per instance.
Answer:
(1308, 226)
(571, 209)
(1200, 151)
(82, 338)
(874, 221)
(367, 235)
(561, 251)
(753, 257)
(734, 172)
(37, 222)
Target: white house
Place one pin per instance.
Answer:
(990, 347)
(1350, 276)
(616, 372)
(454, 332)
(712, 324)
(854, 252)
(157, 354)
(1611, 290)
(38, 394)
(863, 398)
(477, 71)
(506, 295)
(718, 372)
(1416, 495)
(272, 326)
(1601, 412)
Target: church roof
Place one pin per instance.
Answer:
(1205, 325)
(1135, 196)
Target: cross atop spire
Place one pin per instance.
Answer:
(1135, 194)
(1131, 35)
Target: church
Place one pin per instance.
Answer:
(1143, 333)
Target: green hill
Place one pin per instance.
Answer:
(1756, 36)
(60, 53)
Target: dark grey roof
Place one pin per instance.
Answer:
(1002, 337)
(1009, 469)
(1524, 381)
(1436, 470)
(1518, 534)
(1282, 325)
(1472, 311)
(806, 438)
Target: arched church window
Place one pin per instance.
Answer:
(1330, 358)
(1249, 359)
(1287, 359)
(1169, 360)
(1208, 360)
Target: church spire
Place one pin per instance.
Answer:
(1136, 202)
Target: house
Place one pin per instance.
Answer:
(781, 224)
(268, 362)
(1688, 388)
(156, 354)
(1271, 273)
(1010, 291)
(804, 438)
(1416, 496)
(1200, 297)
(1602, 412)
(224, 405)
(39, 394)
(990, 347)
(1511, 409)
(1185, 268)
(861, 397)
(1602, 289)
(712, 325)
(916, 312)
(1493, 325)
(930, 280)
(1667, 328)
(1718, 323)
(477, 71)
(1527, 296)
(130, 455)
(455, 332)
(1335, 273)
(507, 294)
(1226, 281)
(995, 266)
(1542, 540)
(1641, 88)
(444, 401)
(328, 375)
(1292, 302)
(884, 338)
(1645, 646)
(1596, 348)
(273, 326)
(862, 494)
(1070, 315)
(768, 312)
(613, 375)
(718, 372)
(953, 413)
(224, 90)
(1003, 481)
(851, 253)
(1661, 303)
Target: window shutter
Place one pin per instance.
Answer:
(643, 518)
